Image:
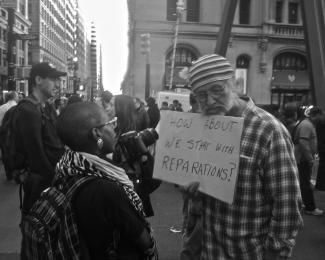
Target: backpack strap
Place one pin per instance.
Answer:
(37, 104)
(293, 132)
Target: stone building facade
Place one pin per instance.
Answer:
(266, 46)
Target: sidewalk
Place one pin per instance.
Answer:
(167, 203)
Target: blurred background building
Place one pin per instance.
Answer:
(51, 31)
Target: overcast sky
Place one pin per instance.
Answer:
(111, 21)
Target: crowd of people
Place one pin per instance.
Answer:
(62, 143)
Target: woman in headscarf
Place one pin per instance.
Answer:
(109, 213)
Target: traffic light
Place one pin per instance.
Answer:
(145, 43)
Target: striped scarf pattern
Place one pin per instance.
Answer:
(74, 164)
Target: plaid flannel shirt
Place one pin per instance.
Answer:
(265, 214)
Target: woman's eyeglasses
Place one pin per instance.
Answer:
(111, 123)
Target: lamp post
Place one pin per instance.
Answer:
(75, 75)
(179, 10)
(145, 50)
(11, 50)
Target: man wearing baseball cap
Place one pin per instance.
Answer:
(38, 142)
(264, 218)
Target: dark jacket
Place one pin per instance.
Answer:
(154, 115)
(38, 139)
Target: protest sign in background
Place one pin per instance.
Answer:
(192, 147)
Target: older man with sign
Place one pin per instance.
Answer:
(264, 217)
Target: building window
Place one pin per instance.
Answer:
(22, 7)
(3, 13)
(290, 61)
(183, 58)
(293, 13)
(171, 10)
(244, 11)
(193, 10)
(278, 11)
(242, 61)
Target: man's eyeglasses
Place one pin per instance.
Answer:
(214, 91)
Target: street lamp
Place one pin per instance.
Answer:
(75, 78)
(179, 9)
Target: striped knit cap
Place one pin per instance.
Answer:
(208, 69)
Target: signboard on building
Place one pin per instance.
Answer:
(25, 37)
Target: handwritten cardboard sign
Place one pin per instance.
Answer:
(192, 147)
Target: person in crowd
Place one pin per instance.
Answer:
(164, 105)
(192, 214)
(107, 100)
(264, 218)
(195, 106)
(153, 112)
(171, 107)
(125, 112)
(11, 100)
(177, 106)
(305, 140)
(36, 132)
(135, 165)
(142, 117)
(289, 118)
(59, 104)
(73, 99)
(21, 95)
(320, 131)
(119, 218)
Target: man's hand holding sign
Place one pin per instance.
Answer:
(197, 148)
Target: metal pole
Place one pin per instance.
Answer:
(225, 28)
(147, 83)
(174, 51)
(10, 49)
(313, 21)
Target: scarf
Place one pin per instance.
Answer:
(82, 164)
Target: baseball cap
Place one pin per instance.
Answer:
(208, 69)
(45, 70)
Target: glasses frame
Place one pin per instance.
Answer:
(110, 123)
(202, 96)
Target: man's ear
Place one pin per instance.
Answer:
(38, 80)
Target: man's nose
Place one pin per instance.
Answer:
(210, 100)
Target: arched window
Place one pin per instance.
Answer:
(290, 61)
(242, 61)
(183, 58)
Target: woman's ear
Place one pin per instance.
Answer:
(95, 134)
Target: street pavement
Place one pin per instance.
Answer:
(167, 203)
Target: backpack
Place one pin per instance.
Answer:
(13, 160)
(49, 229)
